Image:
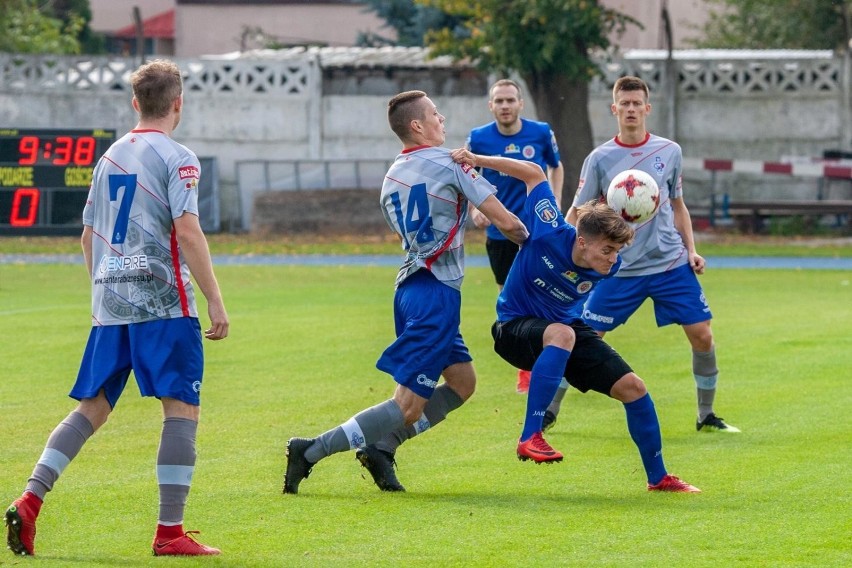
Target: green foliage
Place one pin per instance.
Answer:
(28, 26)
(536, 36)
(301, 360)
(769, 24)
(410, 20)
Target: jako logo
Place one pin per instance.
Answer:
(426, 381)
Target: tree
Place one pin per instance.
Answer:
(769, 24)
(547, 42)
(70, 10)
(27, 27)
(410, 20)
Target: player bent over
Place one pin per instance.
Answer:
(141, 242)
(425, 201)
(539, 326)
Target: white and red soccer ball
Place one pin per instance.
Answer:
(634, 195)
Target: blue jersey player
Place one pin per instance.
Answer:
(662, 262)
(539, 326)
(141, 242)
(511, 136)
(424, 199)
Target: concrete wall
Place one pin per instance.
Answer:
(269, 110)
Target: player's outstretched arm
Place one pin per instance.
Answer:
(528, 172)
(193, 244)
(507, 222)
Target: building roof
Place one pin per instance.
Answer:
(394, 56)
(160, 26)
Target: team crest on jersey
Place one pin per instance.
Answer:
(512, 149)
(187, 172)
(545, 211)
(528, 152)
(584, 287)
(191, 184)
(659, 166)
(571, 276)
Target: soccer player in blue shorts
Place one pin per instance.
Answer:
(425, 201)
(662, 262)
(511, 136)
(141, 242)
(539, 326)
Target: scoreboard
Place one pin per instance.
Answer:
(45, 176)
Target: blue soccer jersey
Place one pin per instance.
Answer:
(544, 282)
(657, 245)
(535, 142)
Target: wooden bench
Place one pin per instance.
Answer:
(753, 214)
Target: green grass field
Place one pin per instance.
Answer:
(300, 360)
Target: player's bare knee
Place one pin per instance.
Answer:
(628, 388)
(461, 378)
(559, 335)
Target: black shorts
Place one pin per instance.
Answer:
(501, 255)
(593, 364)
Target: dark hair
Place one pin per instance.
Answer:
(504, 83)
(596, 220)
(402, 109)
(630, 83)
(156, 85)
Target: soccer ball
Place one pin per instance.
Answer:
(634, 195)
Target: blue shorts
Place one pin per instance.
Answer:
(677, 295)
(426, 315)
(165, 356)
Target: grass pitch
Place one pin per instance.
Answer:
(300, 360)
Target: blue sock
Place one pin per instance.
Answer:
(546, 375)
(645, 430)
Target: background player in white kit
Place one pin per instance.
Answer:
(141, 240)
(425, 201)
(662, 262)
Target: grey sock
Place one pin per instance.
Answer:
(62, 446)
(443, 401)
(556, 403)
(706, 374)
(366, 427)
(175, 467)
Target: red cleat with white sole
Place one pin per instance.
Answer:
(673, 484)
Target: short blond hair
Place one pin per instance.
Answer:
(156, 85)
(597, 220)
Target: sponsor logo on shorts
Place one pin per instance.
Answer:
(587, 315)
(186, 172)
(545, 211)
(426, 381)
(529, 152)
(196, 386)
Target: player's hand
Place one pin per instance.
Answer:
(696, 261)
(480, 221)
(463, 156)
(219, 323)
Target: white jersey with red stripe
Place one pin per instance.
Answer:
(143, 182)
(657, 246)
(425, 201)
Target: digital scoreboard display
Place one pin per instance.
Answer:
(45, 176)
